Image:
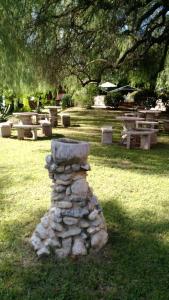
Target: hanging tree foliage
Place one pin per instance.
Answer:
(88, 39)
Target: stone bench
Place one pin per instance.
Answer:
(107, 133)
(5, 129)
(46, 128)
(144, 135)
(65, 120)
(21, 129)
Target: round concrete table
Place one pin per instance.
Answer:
(150, 114)
(53, 117)
(25, 119)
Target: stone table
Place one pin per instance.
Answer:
(74, 224)
(53, 114)
(129, 123)
(25, 119)
(149, 114)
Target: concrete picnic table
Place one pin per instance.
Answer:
(53, 118)
(129, 122)
(25, 119)
(144, 135)
(146, 124)
(149, 114)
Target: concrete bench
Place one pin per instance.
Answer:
(144, 135)
(5, 129)
(146, 124)
(107, 133)
(21, 129)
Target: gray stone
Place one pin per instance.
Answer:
(57, 196)
(83, 223)
(76, 212)
(99, 239)
(45, 221)
(68, 191)
(36, 242)
(41, 231)
(65, 177)
(70, 232)
(92, 230)
(70, 220)
(79, 247)
(59, 188)
(57, 227)
(51, 233)
(63, 204)
(68, 169)
(49, 159)
(43, 252)
(62, 182)
(53, 167)
(75, 198)
(67, 244)
(85, 167)
(55, 214)
(60, 169)
(66, 250)
(75, 167)
(69, 151)
(52, 243)
(80, 187)
(98, 221)
(93, 215)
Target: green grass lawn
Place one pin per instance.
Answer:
(133, 189)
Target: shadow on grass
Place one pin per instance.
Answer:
(137, 160)
(39, 138)
(133, 266)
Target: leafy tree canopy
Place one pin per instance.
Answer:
(89, 39)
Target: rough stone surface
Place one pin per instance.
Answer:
(80, 187)
(70, 221)
(75, 212)
(99, 239)
(93, 215)
(84, 224)
(63, 204)
(71, 232)
(59, 188)
(75, 167)
(44, 251)
(79, 247)
(66, 150)
(74, 224)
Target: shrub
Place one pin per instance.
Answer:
(66, 101)
(84, 96)
(113, 99)
(145, 97)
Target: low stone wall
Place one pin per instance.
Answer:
(74, 224)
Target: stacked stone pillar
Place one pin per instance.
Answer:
(74, 224)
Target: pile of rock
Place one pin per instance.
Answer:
(74, 223)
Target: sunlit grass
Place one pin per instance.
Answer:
(133, 188)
